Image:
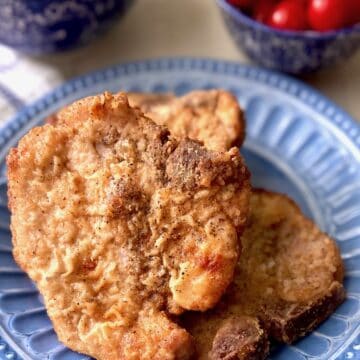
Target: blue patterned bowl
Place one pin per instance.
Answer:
(289, 51)
(43, 26)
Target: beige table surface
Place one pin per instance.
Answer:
(155, 28)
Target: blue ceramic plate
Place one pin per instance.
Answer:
(298, 142)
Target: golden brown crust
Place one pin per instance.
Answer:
(211, 116)
(115, 241)
(289, 275)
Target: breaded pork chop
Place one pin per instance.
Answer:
(121, 225)
(289, 276)
(211, 116)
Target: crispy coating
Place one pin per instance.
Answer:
(120, 225)
(211, 116)
(289, 276)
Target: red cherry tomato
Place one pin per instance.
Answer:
(353, 11)
(289, 15)
(243, 4)
(327, 15)
(263, 9)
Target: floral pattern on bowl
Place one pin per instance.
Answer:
(42, 26)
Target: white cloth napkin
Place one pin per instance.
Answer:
(22, 80)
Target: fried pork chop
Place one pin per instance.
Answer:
(121, 225)
(211, 116)
(289, 276)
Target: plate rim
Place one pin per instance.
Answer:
(284, 83)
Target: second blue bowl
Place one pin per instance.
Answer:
(289, 51)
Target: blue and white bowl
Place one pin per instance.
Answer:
(43, 26)
(293, 52)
